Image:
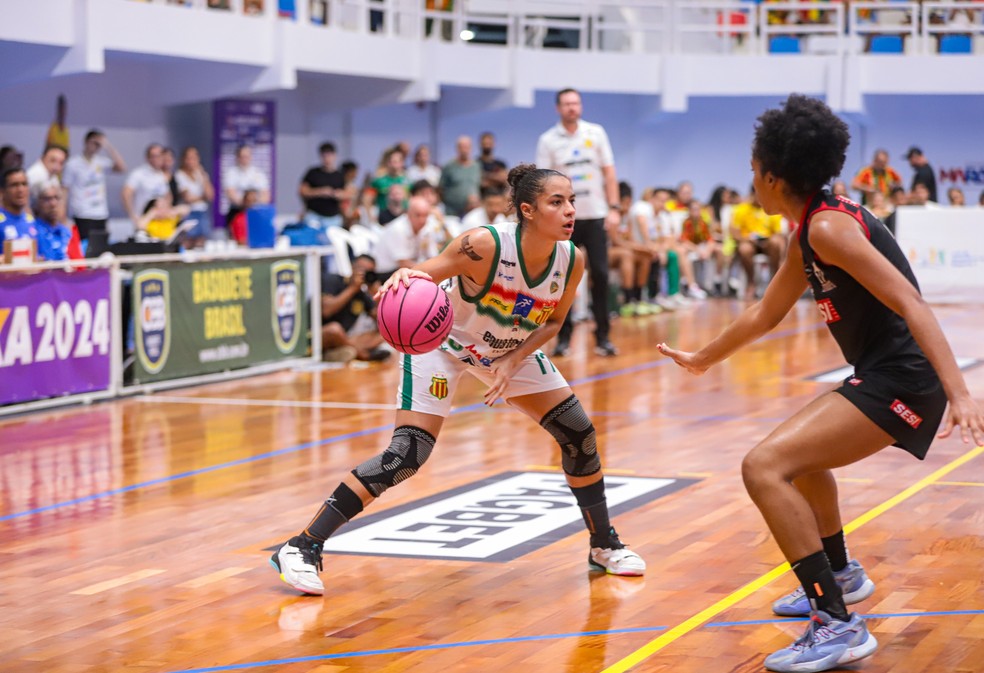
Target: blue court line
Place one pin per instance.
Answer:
(522, 639)
(332, 440)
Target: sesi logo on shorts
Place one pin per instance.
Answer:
(828, 311)
(906, 414)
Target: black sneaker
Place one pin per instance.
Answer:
(379, 354)
(606, 349)
(561, 349)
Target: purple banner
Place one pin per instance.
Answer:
(236, 123)
(55, 334)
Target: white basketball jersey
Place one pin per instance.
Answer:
(492, 320)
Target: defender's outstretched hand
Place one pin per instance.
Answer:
(966, 415)
(686, 360)
(400, 275)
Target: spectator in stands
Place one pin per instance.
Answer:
(919, 196)
(681, 200)
(55, 239)
(321, 190)
(84, 177)
(161, 218)
(394, 175)
(195, 188)
(980, 199)
(896, 198)
(497, 175)
(839, 188)
(699, 237)
(58, 131)
(492, 210)
(422, 168)
(48, 168)
(757, 234)
(460, 179)
(923, 171)
(955, 196)
(350, 191)
(879, 206)
(494, 169)
(440, 229)
(396, 199)
(348, 315)
(16, 220)
(631, 259)
(365, 211)
(400, 242)
(241, 178)
(237, 225)
(10, 157)
(145, 183)
(168, 164)
(876, 177)
(652, 225)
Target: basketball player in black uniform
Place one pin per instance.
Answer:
(904, 374)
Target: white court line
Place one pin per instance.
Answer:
(228, 401)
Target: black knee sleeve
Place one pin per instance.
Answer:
(573, 430)
(407, 451)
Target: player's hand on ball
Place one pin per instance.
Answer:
(399, 276)
(686, 360)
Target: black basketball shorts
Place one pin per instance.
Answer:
(909, 408)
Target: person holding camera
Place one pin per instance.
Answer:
(348, 315)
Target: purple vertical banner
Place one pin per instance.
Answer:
(55, 334)
(242, 122)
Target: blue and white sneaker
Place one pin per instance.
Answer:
(828, 643)
(854, 584)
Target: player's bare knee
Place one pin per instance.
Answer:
(575, 433)
(408, 451)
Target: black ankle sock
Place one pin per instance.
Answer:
(594, 509)
(836, 550)
(821, 588)
(341, 507)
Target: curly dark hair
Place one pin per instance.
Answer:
(803, 143)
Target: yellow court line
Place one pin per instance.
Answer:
(959, 483)
(654, 646)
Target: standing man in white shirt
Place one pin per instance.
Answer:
(581, 150)
(84, 177)
(145, 183)
(241, 178)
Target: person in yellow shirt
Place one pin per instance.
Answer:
(58, 131)
(756, 233)
(161, 217)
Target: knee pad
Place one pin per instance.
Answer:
(573, 430)
(407, 451)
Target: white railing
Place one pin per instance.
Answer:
(638, 26)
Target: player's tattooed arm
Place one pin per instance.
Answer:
(467, 249)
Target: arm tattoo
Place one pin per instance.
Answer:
(467, 249)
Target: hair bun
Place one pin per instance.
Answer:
(517, 174)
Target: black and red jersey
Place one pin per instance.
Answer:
(870, 334)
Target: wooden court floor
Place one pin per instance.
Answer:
(135, 534)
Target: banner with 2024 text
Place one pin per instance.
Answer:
(55, 334)
(206, 317)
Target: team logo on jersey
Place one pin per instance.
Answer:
(285, 289)
(439, 385)
(544, 314)
(152, 300)
(523, 305)
(826, 285)
(554, 286)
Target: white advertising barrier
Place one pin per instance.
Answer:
(945, 247)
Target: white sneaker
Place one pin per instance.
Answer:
(298, 562)
(695, 292)
(616, 559)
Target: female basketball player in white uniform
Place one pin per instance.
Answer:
(511, 286)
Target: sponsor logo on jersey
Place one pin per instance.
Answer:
(152, 292)
(505, 277)
(826, 285)
(439, 385)
(507, 263)
(906, 414)
(523, 305)
(554, 286)
(544, 314)
(496, 519)
(828, 311)
(855, 381)
(500, 344)
(285, 281)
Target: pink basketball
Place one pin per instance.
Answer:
(415, 319)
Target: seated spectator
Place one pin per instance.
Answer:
(394, 175)
(399, 244)
(879, 206)
(48, 168)
(955, 196)
(321, 190)
(422, 168)
(237, 225)
(492, 210)
(395, 204)
(16, 220)
(655, 228)
(631, 259)
(896, 198)
(698, 237)
(161, 217)
(197, 193)
(168, 168)
(10, 157)
(56, 240)
(876, 177)
(348, 315)
(494, 169)
(757, 233)
(348, 200)
(919, 196)
(839, 188)
(365, 211)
